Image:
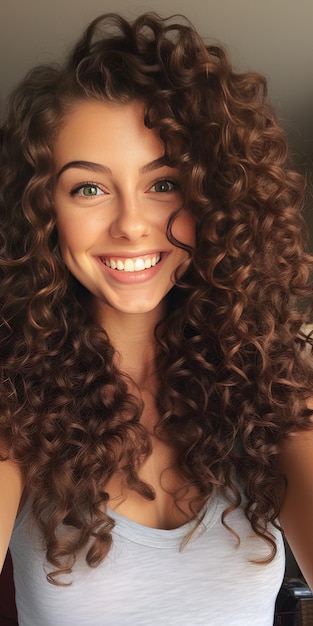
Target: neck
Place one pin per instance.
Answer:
(132, 336)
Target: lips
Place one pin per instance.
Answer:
(137, 264)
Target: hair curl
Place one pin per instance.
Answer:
(229, 353)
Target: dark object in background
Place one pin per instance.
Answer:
(294, 604)
(8, 615)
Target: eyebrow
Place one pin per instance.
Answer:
(84, 165)
(103, 169)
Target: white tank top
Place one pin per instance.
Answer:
(148, 579)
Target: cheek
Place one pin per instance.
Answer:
(73, 233)
(70, 240)
(184, 229)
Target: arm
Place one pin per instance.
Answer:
(11, 489)
(296, 516)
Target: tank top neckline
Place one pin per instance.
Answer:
(163, 538)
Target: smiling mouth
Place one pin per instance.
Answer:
(137, 264)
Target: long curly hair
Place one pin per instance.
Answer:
(231, 362)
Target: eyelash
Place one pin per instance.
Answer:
(75, 191)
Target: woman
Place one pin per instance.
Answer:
(155, 389)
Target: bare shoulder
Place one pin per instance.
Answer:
(296, 516)
(11, 489)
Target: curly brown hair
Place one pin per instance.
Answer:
(230, 353)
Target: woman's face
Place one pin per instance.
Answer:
(113, 200)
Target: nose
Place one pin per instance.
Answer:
(130, 221)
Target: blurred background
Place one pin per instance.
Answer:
(274, 37)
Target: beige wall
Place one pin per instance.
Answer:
(274, 37)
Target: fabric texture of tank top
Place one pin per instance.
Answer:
(149, 578)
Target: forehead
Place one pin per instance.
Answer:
(93, 128)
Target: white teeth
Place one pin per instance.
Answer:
(132, 265)
(139, 265)
(129, 265)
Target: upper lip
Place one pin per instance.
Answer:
(130, 255)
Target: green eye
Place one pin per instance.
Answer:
(164, 186)
(87, 190)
